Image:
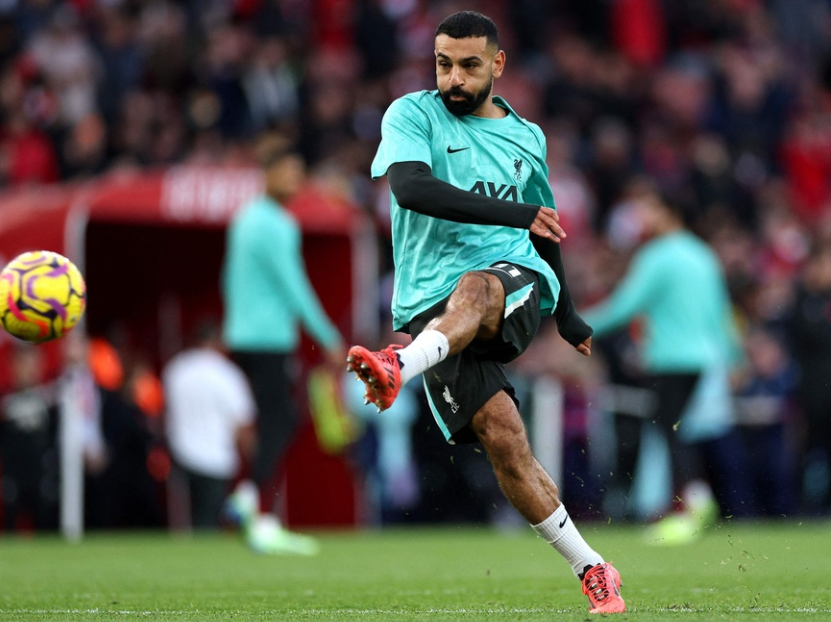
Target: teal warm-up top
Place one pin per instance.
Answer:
(502, 158)
(676, 285)
(265, 288)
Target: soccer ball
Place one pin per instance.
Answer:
(42, 296)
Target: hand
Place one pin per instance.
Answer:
(547, 225)
(585, 348)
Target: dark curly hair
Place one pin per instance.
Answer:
(469, 24)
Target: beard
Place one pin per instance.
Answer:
(471, 101)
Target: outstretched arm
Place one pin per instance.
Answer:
(632, 296)
(415, 188)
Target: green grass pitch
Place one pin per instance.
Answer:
(735, 572)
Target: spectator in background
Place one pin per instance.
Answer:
(107, 432)
(764, 398)
(268, 298)
(116, 41)
(575, 200)
(28, 455)
(270, 85)
(811, 332)
(69, 63)
(226, 59)
(676, 285)
(89, 372)
(209, 421)
(26, 154)
(611, 166)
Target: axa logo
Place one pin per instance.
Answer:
(502, 191)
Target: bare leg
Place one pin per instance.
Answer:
(522, 479)
(474, 310)
(527, 486)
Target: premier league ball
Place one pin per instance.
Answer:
(42, 296)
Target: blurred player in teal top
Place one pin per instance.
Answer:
(675, 284)
(268, 298)
(469, 182)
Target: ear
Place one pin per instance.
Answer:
(498, 63)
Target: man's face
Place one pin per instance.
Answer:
(652, 214)
(285, 177)
(465, 70)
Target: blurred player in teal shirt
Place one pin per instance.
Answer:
(676, 286)
(268, 298)
(468, 182)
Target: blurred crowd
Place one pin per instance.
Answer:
(725, 104)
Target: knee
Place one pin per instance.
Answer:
(474, 288)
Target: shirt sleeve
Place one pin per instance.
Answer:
(281, 251)
(406, 136)
(631, 297)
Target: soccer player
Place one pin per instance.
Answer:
(468, 181)
(675, 284)
(267, 298)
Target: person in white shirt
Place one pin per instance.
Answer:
(210, 422)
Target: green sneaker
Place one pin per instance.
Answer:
(674, 530)
(701, 511)
(268, 537)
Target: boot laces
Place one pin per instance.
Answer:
(388, 355)
(597, 585)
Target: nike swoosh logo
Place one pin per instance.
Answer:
(564, 521)
(449, 150)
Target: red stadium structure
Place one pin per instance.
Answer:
(150, 246)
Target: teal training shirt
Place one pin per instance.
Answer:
(266, 292)
(502, 158)
(676, 284)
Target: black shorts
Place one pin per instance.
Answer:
(674, 393)
(460, 385)
(272, 379)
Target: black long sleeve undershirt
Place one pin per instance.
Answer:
(571, 326)
(416, 189)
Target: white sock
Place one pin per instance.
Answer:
(697, 495)
(247, 498)
(561, 533)
(428, 349)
